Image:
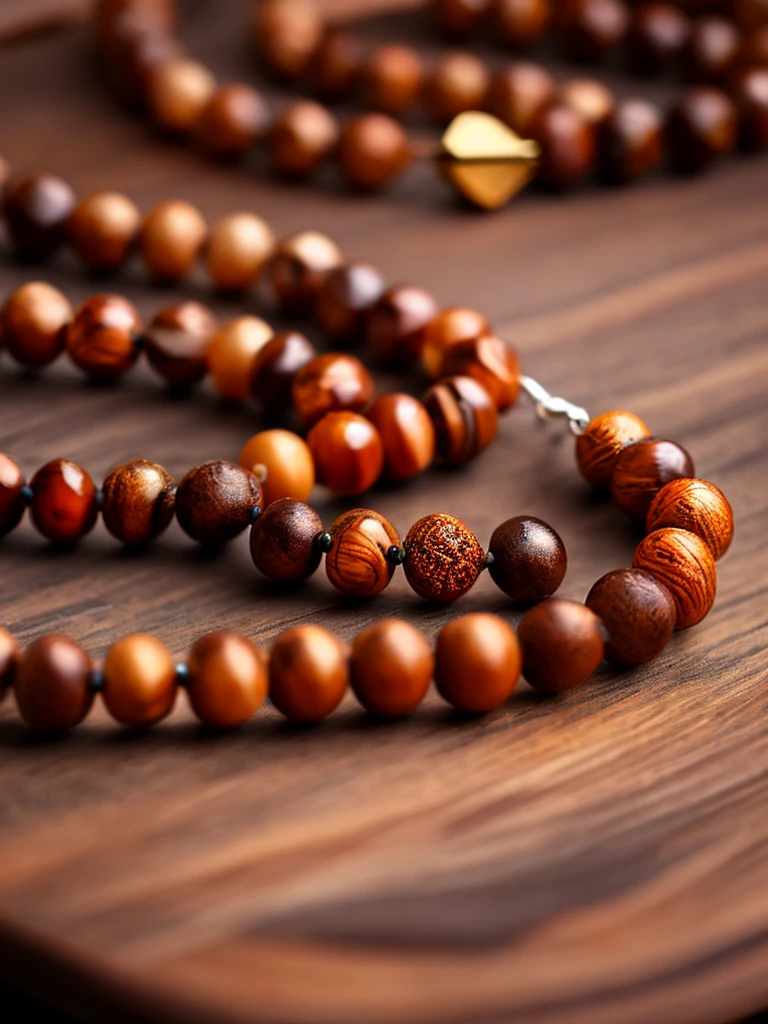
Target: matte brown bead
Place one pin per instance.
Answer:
(529, 559)
(12, 503)
(102, 228)
(336, 65)
(51, 684)
(642, 469)
(227, 681)
(459, 82)
(697, 506)
(477, 662)
(171, 239)
(563, 642)
(373, 150)
(232, 353)
(518, 92)
(712, 49)
(393, 78)
(301, 138)
(275, 367)
(284, 541)
(101, 340)
(458, 19)
(637, 611)
(177, 93)
(588, 97)
(754, 48)
(657, 36)
(590, 28)
(238, 247)
(629, 141)
(443, 558)
(700, 128)
(215, 501)
(406, 433)
(346, 295)
(600, 444)
(286, 34)
(348, 452)
(35, 210)
(177, 340)
(683, 562)
(294, 273)
(308, 673)
(282, 462)
(395, 325)
(357, 563)
(567, 143)
(492, 363)
(233, 121)
(391, 667)
(464, 417)
(64, 505)
(9, 659)
(33, 323)
(138, 501)
(330, 383)
(450, 327)
(520, 23)
(139, 681)
(750, 94)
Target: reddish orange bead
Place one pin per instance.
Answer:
(357, 563)
(683, 562)
(373, 150)
(52, 684)
(599, 445)
(64, 501)
(139, 681)
(348, 452)
(443, 558)
(308, 673)
(477, 662)
(101, 339)
(33, 323)
(12, 503)
(450, 327)
(406, 432)
(393, 78)
(520, 23)
(227, 679)
(697, 506)
(391, 667)
(331, 383)
(642, 469)
(282, 462)
(492, 363)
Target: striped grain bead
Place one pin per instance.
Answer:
(601, 442)
(464, 417)
(684, 564)
(443, 558)
(697, 506)
(138, 501)
(357, 563)
(101, 340)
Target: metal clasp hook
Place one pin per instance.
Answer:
(551, 407)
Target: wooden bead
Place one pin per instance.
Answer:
(101, 340)
(600, 444)
(406, 433)
(642, 469)
(373, 150)
(464, 417)
(637, 611)
(391, 667)
(51, 684)
(492, 363)
(284, 541)
(477, 662)
(64, 505)
(697, 506)
(683, 562)
(700, 128)
(227, 681)
(629, 141)
(301, 138)
(357, 563)
(588, 97)
(138, 501)
(286, 34)
(231, 355)
(9, 659)
(563, 642)
(529, 559)
(750, 94)
(657, 36)
(138, 42)
(329, 383)
(35, 210)
(275, 367)
(458, 19)
(33, 323)
(233, 121)
(177, 340)
(238, 247)
(102, 228)
(345, 296)
(567, 143)
(590, 28)
(336, 65)
(518, 92)
(450, 327)
(754, 47)
(12, 503)
(282, 462)
(712, 49)
(348, 452)
(395, 325)
(308, 673)
(215, 501)
(443, 558)
(520, 23)
(139, 681)
(393, 79)
(171, 239)
(295, 272)
(177, 93)
(459, 82)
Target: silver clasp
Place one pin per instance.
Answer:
(550, 407)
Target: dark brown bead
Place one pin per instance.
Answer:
(598, 447)
(697, 506)
(684, 563)
(754, 49)
(101, 339)
(637, 611)
(52, 684)
(567, 143)
(357, 563)
(657, 36)
(233, 121)
(373, 150)
(395, 325)
(102, 228)
(712, 49)
(590, 28)
(391, 667)
(176, 342)
(308, 673)
(295, 271)
(347, 452)
(34, 322)
(518, 92)
(750, 94)
(138, 501)
(215, 501)
(35, 210)
(286, 34)
(276, 366)
(227, 679)
(335, 68)
(459, 82)
(520, 23)
(345, 297)
(563, 642)
(642, 469)
(406, 433)
(138, 42)
(301, 138)
(331, 382)
(443, 558)
(393, 78)
(629, 141)
(12, 503)
(284, 540)
(477, 662)
(700, 128)
(492, 363)
(9, 659)
(140, 686)
(464, 417)
(64, 505)
(458, 19)
(528, 559)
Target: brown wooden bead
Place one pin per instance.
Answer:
(697, 506)
(464, 417)
(51, 684)
(683, 562)
(406, 433)
(492, 363)
(477, 662)
(458, 19)
(520, 23)
(286, 34)
(295, 272)
(138, 501)
(563, 642)
(5, 174)
(357, 563)
(139, 681)
(177, 340)
(35, 210)
(227, 681)
(308, 673)
(177, 93)
(329, 383)
(700, 128)
(282, 462)
(301, 138)
(231, 355)
(373, 150)
(275, 367)
(393, 78)
(346, 295)
(588, 97)
(599, 445)
(750, 94)
(336, 65)
(443, 558)
(391, 667)
(657, 36)
(529, 559)
(590, 28)
(637, 611)
(459, 82)
(171, 239)
(138, 42)
(518, 92)
(238, 247)
(348, 452)
(395, 325)
(64, 501)
(712, 49)
(284, 541)
(215, 501)
(233, 121)
(33, 323)
(754, 48)
(450, 327)
(102, 228)
(101, 340)
(9, 659)
(567, 143)
(642, 469)
(629, 141)
(12, 503)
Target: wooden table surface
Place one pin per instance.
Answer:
(598, 857)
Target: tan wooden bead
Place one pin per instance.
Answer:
(357, 563)
(518, 92)
(227, 681)
(233, 121)
(286, 34)
(308, 673)
(171, 239)
(600, 444)
(139, 681)
(393, 78)
(459, 82)
(391, 667)
(588, 97)
(373, 150)
(697, 506)
(449, 327)
(238, 247)
(33, 323)
(102, 228)
(177, 92)
(283, 464)
(231, 355)
(684, 563)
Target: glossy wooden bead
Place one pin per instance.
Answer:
(139, 681)
(697, 506)
(459, 82)
(232, 353)
(33, 323)
(750, 95)
(336, 65)
(101, 340)
(373, 150)
(233, 121)
(297, 268)
(395, 325)
(712, 49)
(657, 36)
(520, 23)
(308, 673)
(102, 228)
(563, 643)
(528, 559)
(458, 19)
(345, 296)
(238, 247)
(638, 613)
(215, 501)
(518, 92)
(64, 505)
(301, 138)
(443, 558)
(567, 143)
(171, 239)
(464, 417)
(357, 563)
(684, 563)
(35, 209)
(492, 363)
(347, 452)
(9, 659)
(283, 464)
(138, 501)
(599, 445)
(393, 78)
(590, 28)
(406, 433)
(12, 502)
(284, 541)
(177, 93)
(629, 141)
(477, 662)
(700, 128)
(286, 34)
(176, 342)
(330, 383)
(227, 680)
(51, 684)
(642, 469)
(275, 367)
(588, 97)
(450, 327)
(391, 666)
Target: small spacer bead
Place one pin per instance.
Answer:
(488, 560)
(139, 341)
(99, 498)
(96, 680)
(27, 494)
(182, 674)
(324, 541)
(395, 555)
(255, 513)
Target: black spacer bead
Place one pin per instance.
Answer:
(99, 499)
(324, 541)
(139, 341)
(27, 494)
(395, 555)
(488, 560)
(96, 680)
(182, 674)
(254, 514)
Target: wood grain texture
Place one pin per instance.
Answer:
(599, 857)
